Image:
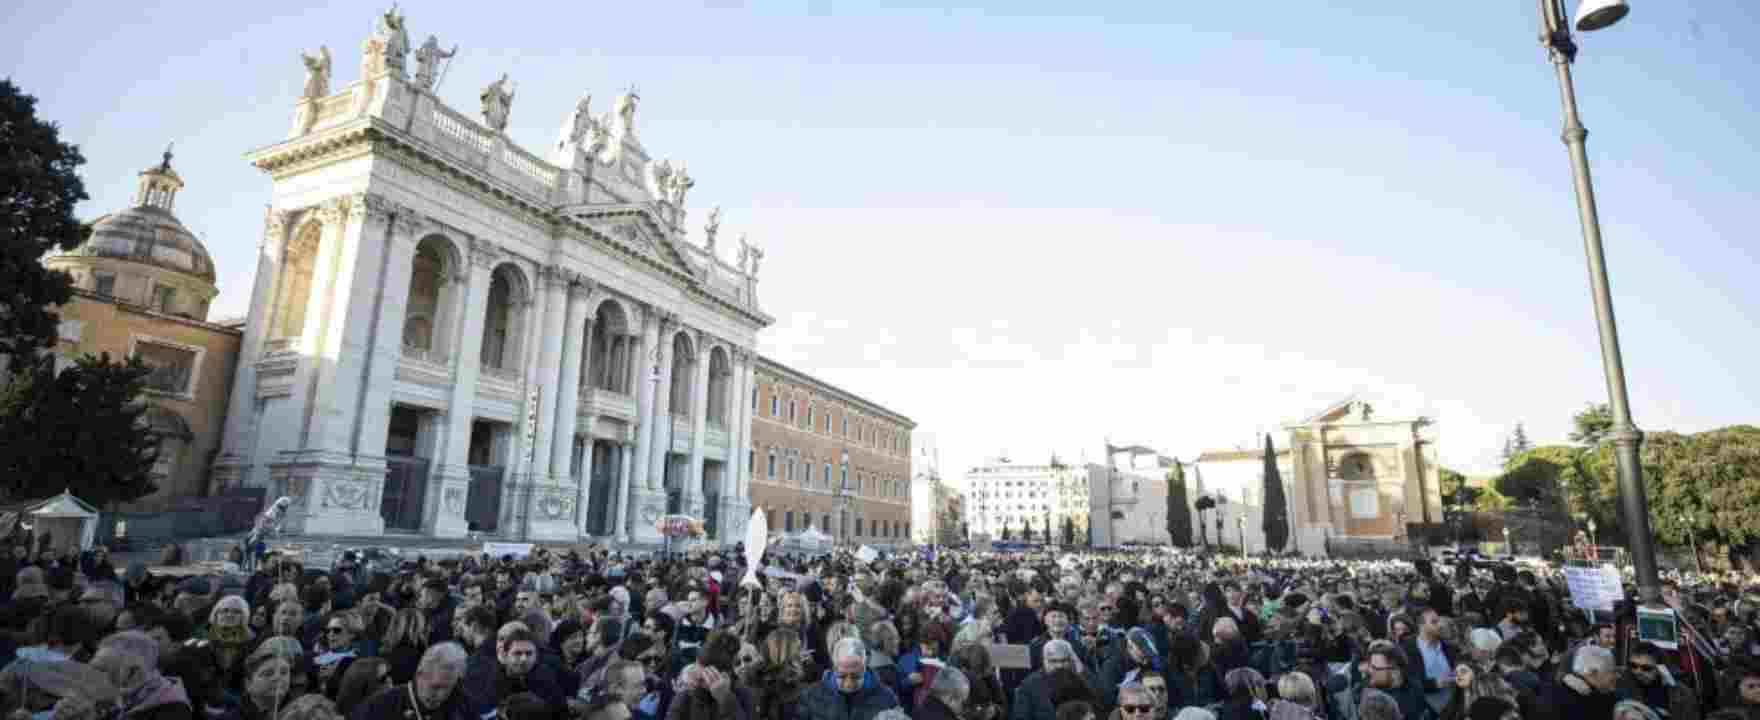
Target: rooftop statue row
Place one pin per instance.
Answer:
(599, 148)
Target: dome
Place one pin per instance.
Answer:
(150, 235)
(148, 232)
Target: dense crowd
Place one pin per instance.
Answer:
(594, 634)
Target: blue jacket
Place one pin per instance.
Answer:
(825, 701)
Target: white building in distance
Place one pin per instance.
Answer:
(1003, 493)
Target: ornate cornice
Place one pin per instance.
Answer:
(485, 254)
(409, 223)
(373, 136)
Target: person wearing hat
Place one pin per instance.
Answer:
(1140, 654)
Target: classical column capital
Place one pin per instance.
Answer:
(668, 321)
(370, 207)
(409, 223)
(334, 211)
(583, 287)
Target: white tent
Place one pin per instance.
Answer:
(809, 541)
(66, 518)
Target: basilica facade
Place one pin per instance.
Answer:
(450, 333)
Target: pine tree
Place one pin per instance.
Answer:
(1069, 531)
(1276, 513)
(1179, 514)
(1205, 502)
(38, 189)
(1088, 534)
(1005, 529)
(1047, 536)
(82, 430)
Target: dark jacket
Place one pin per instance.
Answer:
(1032, 700)
(933, 709)
(776, 693)
(1415, 664)
(1560, 701)
(168, 702)
(824, 701)
(736, 705)
(394, 702)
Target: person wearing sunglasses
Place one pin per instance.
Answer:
(1647, 680)
(1135, 702)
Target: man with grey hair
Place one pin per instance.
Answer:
(947, 696)
(1586, 691)
(1135, 702)
(848, 691)
(433, 693)
(1032, 698)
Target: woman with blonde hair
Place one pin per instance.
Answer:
(404, 644)
(1297, 698)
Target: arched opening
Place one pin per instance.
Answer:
(1361, 489)
(608, 366)
(720, 373)
(425, 310)
(504, 316)
(297, 265)
(683, 361)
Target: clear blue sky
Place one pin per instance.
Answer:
(1174, 223)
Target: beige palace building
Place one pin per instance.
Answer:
(142, 286)
(825, 458)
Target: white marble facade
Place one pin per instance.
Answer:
(448, 330)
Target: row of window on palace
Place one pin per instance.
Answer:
(821, 422)
(875, 529)
(790, 469)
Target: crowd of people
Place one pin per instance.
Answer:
(588, 633)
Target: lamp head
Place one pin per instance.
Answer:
(1597, 14)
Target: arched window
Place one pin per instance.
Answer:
(423, 307)
(297, 264)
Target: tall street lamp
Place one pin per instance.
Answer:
(1508, 549)
(1591, 532)
(1562, 50)
(1240, 524)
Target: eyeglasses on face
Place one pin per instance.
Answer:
(1136, 709)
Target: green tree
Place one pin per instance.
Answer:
(1069, 530)
(1455, 490)
(1046, 537)
(1088, 534)
(1005, 529)
(1551, 484)
(82, 429)
(1516, 444)
(1276, 514)
(38, 190)
(1592, 425)
(1179, 513)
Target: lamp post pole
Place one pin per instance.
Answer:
(1687, 522)
(1240, 525)
(1508, 549)
(1562, 51)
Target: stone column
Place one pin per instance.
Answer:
(634, 349)
(621, 497)
(749, 371)
(448, 518)
(555, 305)
(387, 336)
(699, 414)
(576, 346)
(233, 467)
(640, 492)
(342, 493)
(737, 509)
(584, 493)
(662, 445)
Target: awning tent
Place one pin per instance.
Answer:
(809, 542)
(67, 520)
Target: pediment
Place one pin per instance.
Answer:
(637, 228)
